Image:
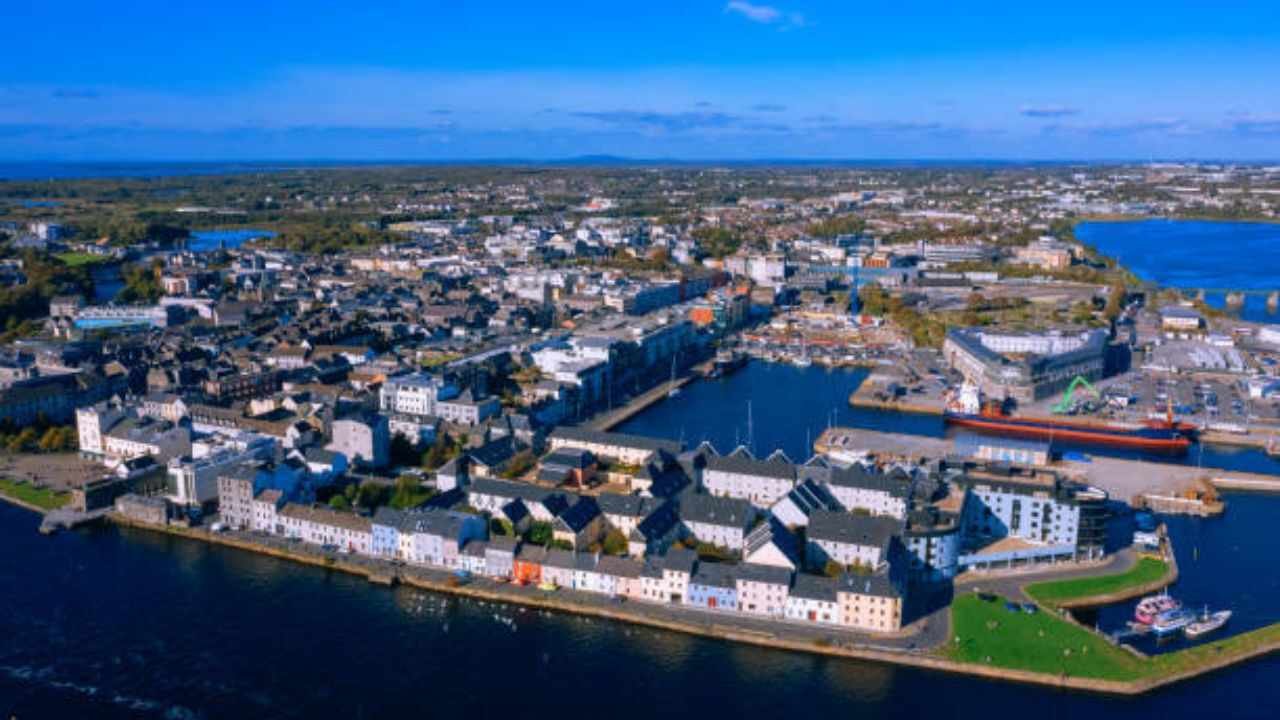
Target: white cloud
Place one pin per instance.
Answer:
(765, 14)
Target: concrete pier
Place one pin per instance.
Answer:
(612, 418)
(63, 519)
(1125, 480)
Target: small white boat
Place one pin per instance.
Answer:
(1207, 623)
(1171, 621)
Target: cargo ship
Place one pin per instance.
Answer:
(1156, 436)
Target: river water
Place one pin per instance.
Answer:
(791, 406)
(114, 623)
(125, 623)
(1194, 254)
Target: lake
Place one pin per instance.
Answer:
(1196, 254)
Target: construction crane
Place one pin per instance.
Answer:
(1068, 398)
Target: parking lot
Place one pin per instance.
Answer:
(1206, 399)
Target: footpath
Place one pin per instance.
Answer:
(907, 648)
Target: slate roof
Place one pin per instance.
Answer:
(896, 484)
(850, 529)
(579, 515)
(717, 575)
(638, 442)
(712, 510)
(740, 465)
(877, 584)
(814, 587)
(767, 574)
(680, 560)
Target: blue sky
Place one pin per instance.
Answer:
(278, 79)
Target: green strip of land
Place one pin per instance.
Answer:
(986, 633)
(42, 498)
(1147, 570)
(75, 259)
(1199, 657)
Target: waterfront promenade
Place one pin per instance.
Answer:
(1122, 479)
(919, 646)
(610, 419)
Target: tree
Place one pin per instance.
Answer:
(441, 451)
(51, 440)
(832, 569)
(717, 241)
(339, 502)
(539, 533)
(501, 527)
(1082, 313)
(372, 494)
(615, 543)
(841, 225)
(875, 301)
(1115, 300)
(141, 283)
(409, 493)
(402, 451)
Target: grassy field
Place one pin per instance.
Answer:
(438, 360)
(985, 633)
(1147, 570)
(1228, 647)
(75, 259)
(40, 497)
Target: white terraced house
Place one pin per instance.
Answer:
(760, 482)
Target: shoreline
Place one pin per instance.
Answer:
(23, 504)
(1120, 217)
(719, 630)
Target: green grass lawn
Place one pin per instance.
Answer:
(985, 633)
(1147, 570)
(1225, 646)
(40, 497)
(75, 259)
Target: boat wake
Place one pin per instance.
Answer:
(46, 678)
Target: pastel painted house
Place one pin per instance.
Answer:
(526, 566)
(762, 589)
(558, 568)
(714, 587)
(813, 599)
(500, 556)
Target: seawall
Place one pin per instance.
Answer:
(711, 628)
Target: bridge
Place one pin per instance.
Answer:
(1236, 291)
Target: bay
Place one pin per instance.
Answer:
(1197, 254)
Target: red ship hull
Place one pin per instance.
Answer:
(1173, 444)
